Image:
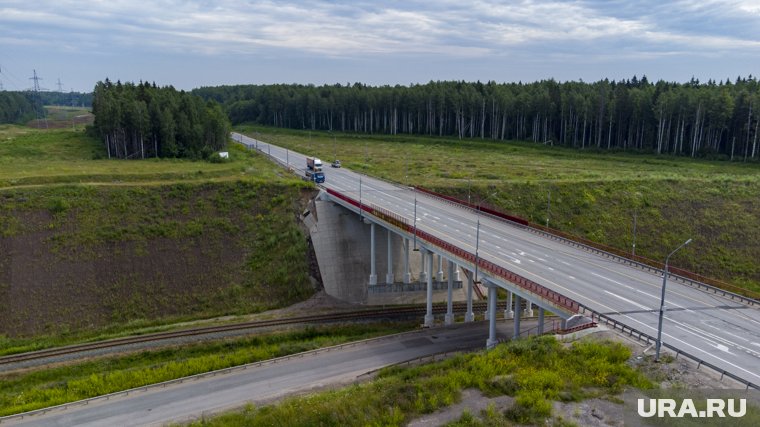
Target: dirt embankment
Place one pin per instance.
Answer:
(75, 258)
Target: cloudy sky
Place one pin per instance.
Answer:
(204, 43)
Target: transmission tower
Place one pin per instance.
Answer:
(60, 85)
(36, 89)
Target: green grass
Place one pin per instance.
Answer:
(60, 156)
(227, 233)
(226, 248)
(535, 371)
(41, 388)
(593, 194)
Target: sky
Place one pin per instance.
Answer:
(191, 44)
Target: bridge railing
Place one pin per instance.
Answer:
(402, 223)
(684, 276)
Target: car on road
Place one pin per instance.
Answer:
(336, 163)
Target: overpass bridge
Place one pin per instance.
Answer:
(717, 328)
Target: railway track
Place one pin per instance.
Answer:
(207, 330)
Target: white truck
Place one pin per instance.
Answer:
(313, 164)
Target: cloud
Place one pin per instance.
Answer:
(350, 29)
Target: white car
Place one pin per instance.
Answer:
(336, 163)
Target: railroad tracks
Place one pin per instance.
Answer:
(368, 314)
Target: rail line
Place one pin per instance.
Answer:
(458, 307)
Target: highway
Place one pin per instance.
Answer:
(261, 384)
(712, 328)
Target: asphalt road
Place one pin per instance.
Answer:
(710, 327)
(196, 398)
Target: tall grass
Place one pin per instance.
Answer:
(26, 391)
(534, 371)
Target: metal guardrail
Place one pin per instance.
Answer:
(555, 298)
(641, 336)
(681, 275)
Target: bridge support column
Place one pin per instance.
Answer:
(528, 308)
(439, 276)
(389, 274)
(423, 272)
(457, 278)
(491, 343)
(508, 313)
(407, 274)
(540, 329)
(518, 302)
(372, 272)
(450, 300)
(469, 316)
(429, 302)
(563, 324)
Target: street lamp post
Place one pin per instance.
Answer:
(477, 237)
(415, 222)
(548, 204)
(477, 244)
(662, 300)
(633, 249)
(361, 211)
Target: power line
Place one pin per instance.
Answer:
(36, 90)
(36, 79)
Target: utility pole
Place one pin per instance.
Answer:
(548, 205)
(36, 89)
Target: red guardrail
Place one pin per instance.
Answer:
(545, 293)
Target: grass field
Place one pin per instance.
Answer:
(593, 194)
(98, 245)
(60, 156)
(39, 388)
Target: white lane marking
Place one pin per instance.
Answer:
(709, 341)
(725, 331)
(634, 303)
(550, 269)
(511, 258)
(572, 277)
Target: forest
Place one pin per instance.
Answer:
(17, 107)
(143, 120)
(713, 119)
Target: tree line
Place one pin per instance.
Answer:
(713, 119)
(143, 120)
(18, 107)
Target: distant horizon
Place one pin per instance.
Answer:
(196, 44)
(345, 84)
